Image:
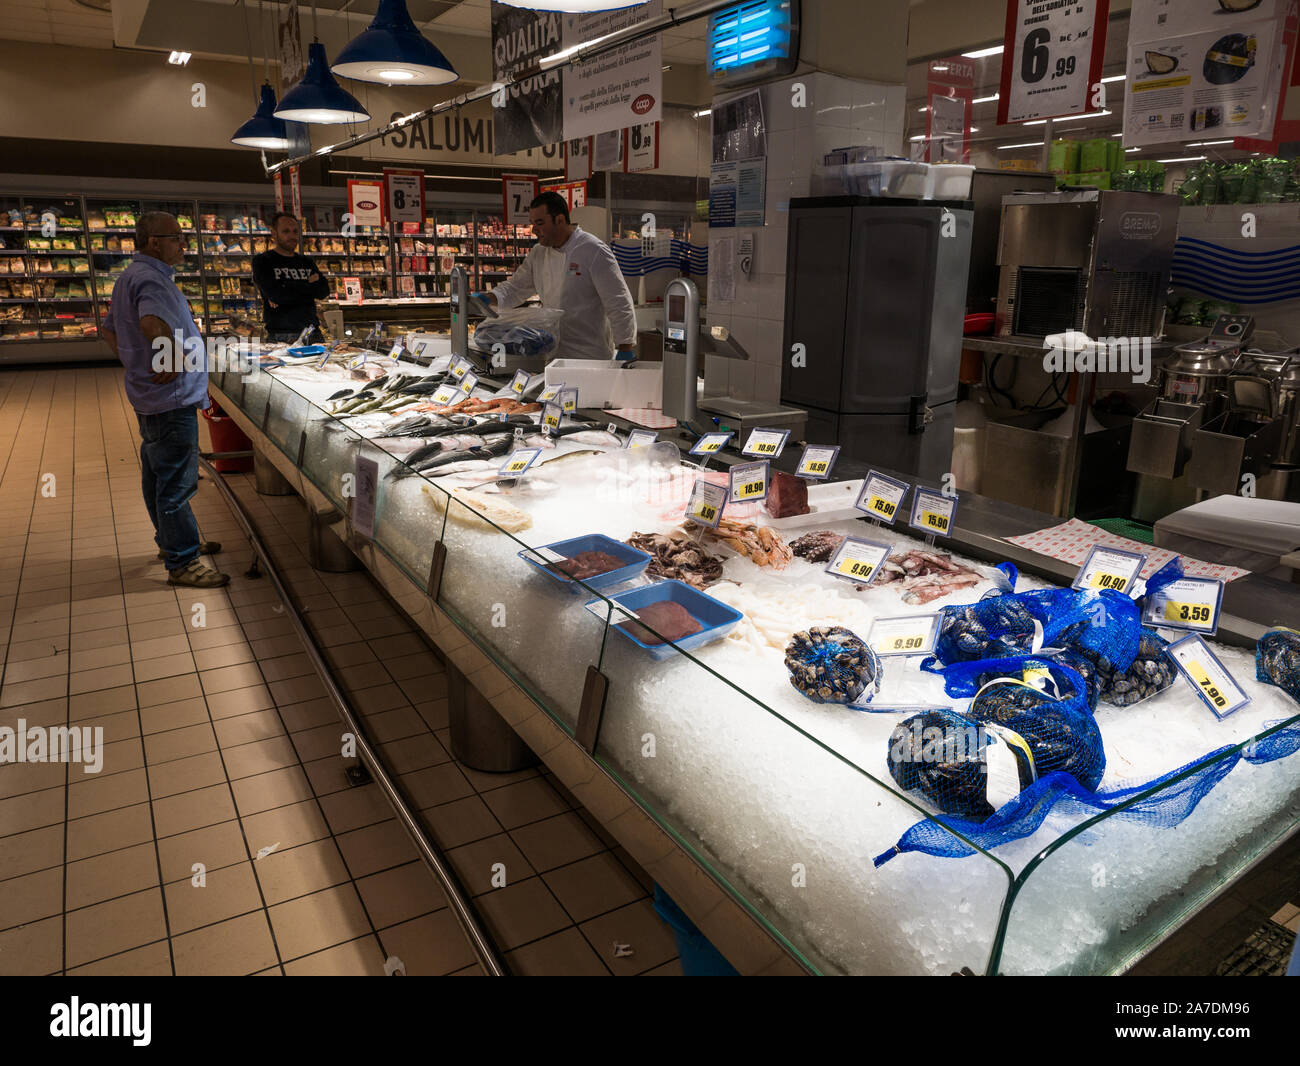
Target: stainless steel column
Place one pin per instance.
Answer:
(326, 550)
(480, 737)
(269, 481)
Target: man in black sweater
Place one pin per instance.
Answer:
(290, 283)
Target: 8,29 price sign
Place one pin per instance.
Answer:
(1051, 59)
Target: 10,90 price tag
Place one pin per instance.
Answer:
(905, 635)
(766, 443)
(706, 503)
(749, 482)
(858, 560)
(933, 512)
(880, 496)
(816, 461)
(1109, 568)
(1189, 603)
(1209, 677)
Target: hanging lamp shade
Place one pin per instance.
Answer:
(573, 5)
(263, 130)
(392, 51)
(318, 97)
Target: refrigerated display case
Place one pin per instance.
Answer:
(46, 286)
(111, 239)
(499, 247)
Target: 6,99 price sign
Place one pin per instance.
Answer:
(1051, 59)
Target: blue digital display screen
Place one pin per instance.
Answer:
(747, 34)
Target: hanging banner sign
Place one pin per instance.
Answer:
(517, 192)
(366, 202)
(607, 151)
(951, 88)
(279, 191)
(295, 192)
(529, 113)
(1052, 58)
(405, 195)
(610, 91)
(293, 62)
(641, 150)
(577, 160)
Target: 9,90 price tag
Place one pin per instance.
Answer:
(1109, 568)
(881, 495)
(858, 560)
(550, 392)
(1189, 603)
(640, 438)
(907, 635)
(748, 482)
(816, 461)
(933, 512)
(519, 461)
(765, 443)
(1208, 676)
(711, 443)
(444, 394)
(468, 382)
(568, 400)
(706, 503)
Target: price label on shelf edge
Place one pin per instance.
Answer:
(858, 560)
(640, 438)
(706, 503)
(1052, 58)
(748, 482)
(568, 400)
(1109, 568)
(519, 382)
(881, 496)
(710, 443)
(468, 382)
(1209, 677)
(459, 367)
(905, 635)
(933, 512)
(1190, 603)
(765, 443)
(817, 461)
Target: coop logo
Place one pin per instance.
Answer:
(102, 1019)
(367, 205)
(1139, 225)
(643, 103)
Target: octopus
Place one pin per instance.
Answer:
(923, 576)
(678, 555)
(757, 543)
(817, 547)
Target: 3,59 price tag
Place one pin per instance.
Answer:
(445, 394)
(551, 416)
(1189, 603)
(550, 392)
(1109, 568)
(816, 461)
(1209, 677)
(906, 635)
(706, 503)
(640, 438)
(711, 443)
(933, 512)
(519, 461)
(766, 443)
(858, 560)
(880, 496)
(749, 482)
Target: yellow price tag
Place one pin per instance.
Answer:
(551, 421)
(934, 521)
(817, 466)
(711, 446)
(467, 386)
(517, 387)
(1211, 690)
(1108, 581)
(706, 511)
(751, 488)
(516, 465)
(765, 446)
(1187, 612)
(569, 405)
(881, 506)
(851, 567)
(905, 643)
(459, 371)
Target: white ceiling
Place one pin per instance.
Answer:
(55, 22)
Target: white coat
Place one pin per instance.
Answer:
(583, 280)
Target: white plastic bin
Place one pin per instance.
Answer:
(887, 177)
(949, 181)
(609, 384)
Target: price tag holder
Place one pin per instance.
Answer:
(325, 358)
(363, 504)
(468, 382)
(749, 482)
(904, 635)
(543, 556)
(460, 366)
(550, 392)
(518, 383)
(1109, 568)
(640, 438)
(711, 443)
(858, 560)
(1209, 677)
(614, 612)
(445, 393)
(568, 400)
(1190, 603)
(357, 361)
(551, 417)
(705, 506)
(816, 461)
(933, 512)
(881, 496)
(395, 352)
(519, 461)
(765, 443)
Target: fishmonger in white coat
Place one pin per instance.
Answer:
(575, 271)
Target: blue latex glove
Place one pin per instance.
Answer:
(623, 355)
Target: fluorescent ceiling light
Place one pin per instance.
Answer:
(178, 59)
(706, 111)
(985, 99)
(919, 137)
(1068, 118)
(1030, 144)
(923, 110)
(1132, 149)
(1183, 159)
(1117, 135)
(939, 70)
(1114, 77)
(981, 53)
(974, 129)
(1207, 144)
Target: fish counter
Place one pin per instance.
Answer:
(899, 758)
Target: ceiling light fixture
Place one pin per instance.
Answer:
(263, 130)
(1068, 118)
(985, 99)
(573, 5)
(995, 50)
(318, 98)
(1030, 144)
(706, 111)
(1114, 77)
(1183, 159)
(391, 49)
(178, 59)
(1207, 144)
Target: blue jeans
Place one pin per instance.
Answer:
(169, 477)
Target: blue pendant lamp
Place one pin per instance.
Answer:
(318, 98)
(392, 51)
(573, 6)
(263, 130)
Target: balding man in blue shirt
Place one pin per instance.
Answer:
(150, 329)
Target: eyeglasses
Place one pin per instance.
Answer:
(170, 236)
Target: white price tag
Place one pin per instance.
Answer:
(711, 443)
(1211, 680)
(905, 635)
(550, 392)
(459, 367)
(933, 512)
(817, 460)
(614, 612)
(468, 382)
(858, 560)
(880, 496)
(766, 443)
(551, 417)
(520, 382)
(444, 394)
(641, 438)
(545, 556)
(363, 504)
(1109, 568)
(1189, 603)
(706, 503)
(519, 461)
(748, 482)
(568, 400)
(1047, 65)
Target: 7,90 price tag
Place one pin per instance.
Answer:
(933, 512)
(765, 443)
(858, 560)
(706, 503)
(1189, 603)
(1209, 677)
(1109, 568)
(816, 461)
(905, 635)
(880, 496)
(748, 482)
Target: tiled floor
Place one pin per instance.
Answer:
(220, 835)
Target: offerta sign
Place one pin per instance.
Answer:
(1052, 58)
(366, 202)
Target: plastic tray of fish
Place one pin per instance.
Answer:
(635, 559)
(830, 501)
(716, 619)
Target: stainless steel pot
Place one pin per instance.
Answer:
(1196, 373)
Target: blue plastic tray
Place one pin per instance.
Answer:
(716, 617)
(307, 350)
(636, 560)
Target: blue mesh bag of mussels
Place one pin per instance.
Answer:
(1277, 660)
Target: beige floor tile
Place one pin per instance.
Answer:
(36, 648)
(461, 821)
(668, 969)
(121, 756)
(259, 757)
(436, 785)
(162, 611)
(636, 924)
(99, 794)
(230, 678)
(168, 690)
(17, 693)
(96, 621)
(92, 658)
(118, 726)
(286, 666)
(396, 724)
(380, 698)
(239, 701)
(110, 831)
(376, 847)
(58, 629)
(556, 841)
(232, 654)
(31, 897)
(213, 847)
(116, 873)
(142, 632)
(489, 864)
(108, 928)
(593, 886)
(299, 871)
(207, 638)
(166, 666)
(25, 853)
(35, 669)
(231, 948)
(98, 680)
(400, 894)
(409, 754)
(32, 810)
(296, 689)
(96, 704)
(323, 919)
(355, 808)
(524, 802)
(152, 960)
(521, 912)
(275, 788)
(32, 950)
(179, 743)
(248, 728)
(16, 780)
(309, 715)
(357, 958)
(193, 810)
(297, 823)
(563, 954)
(430, 946)
(351, 654)
(166, 716)
(222, 893)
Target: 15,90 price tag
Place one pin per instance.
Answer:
(905, 635)
(880, 496)
(858, 560)
(551, 417)
(749, 482)
(765, 443)
(519, 461)
(933, 512)
(1209, 677)
(706, 503)
(816, 461)
(1109, 568)
(1189, 603)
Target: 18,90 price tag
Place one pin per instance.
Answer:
(933, 512)
(858, 560)
(1209, 677)
(706, 503)
(881, 496)
(749, 482)
(816, 461)
(1109, 568)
